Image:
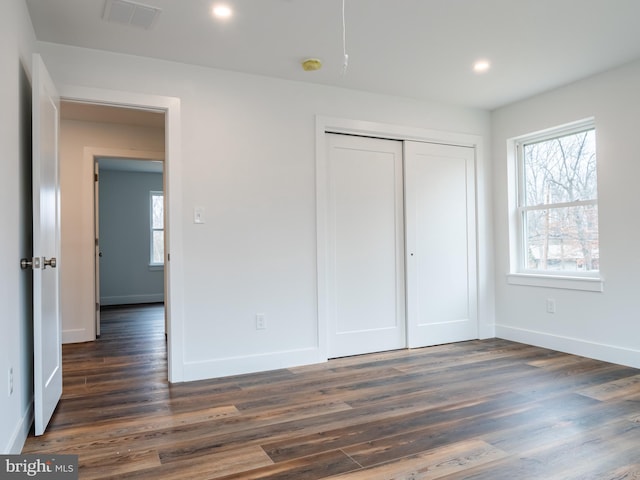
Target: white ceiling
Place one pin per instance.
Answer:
(422, 49)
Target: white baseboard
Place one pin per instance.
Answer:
(224, 367)
(77, 335)
(20, 433)
(132, 299)
(574, 346)
(486, 331)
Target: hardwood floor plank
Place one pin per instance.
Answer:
(431, 465)
(628, 387)
(426, 439)
(307, 468)
(626, 472)
(370, 432)
(586, 454)
(118, 464)
(206, 468)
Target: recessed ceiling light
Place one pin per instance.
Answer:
(481, 66)
(222, 11)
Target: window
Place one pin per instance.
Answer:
(157, 228)
(557, 202)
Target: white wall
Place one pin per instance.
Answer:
(248, 158)
(16, 341)
(125, 238)
(601, 325)
(77, 210)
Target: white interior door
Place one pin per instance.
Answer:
(365, 268)
(441, 258)
(98, 253)
(47, 331)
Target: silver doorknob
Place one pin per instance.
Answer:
(49, 263)
(29, 263)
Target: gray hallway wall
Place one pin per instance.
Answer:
(125, 274)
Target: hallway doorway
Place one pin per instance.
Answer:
(89, 134)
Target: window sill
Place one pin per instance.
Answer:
(156, 267)
(588, 284)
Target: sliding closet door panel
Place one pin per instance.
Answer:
(366, 255)
(440, 217)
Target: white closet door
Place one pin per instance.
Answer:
(441, 258)
(365, 270)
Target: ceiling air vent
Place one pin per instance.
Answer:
(130, 13)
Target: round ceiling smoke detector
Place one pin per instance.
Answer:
(311, 64)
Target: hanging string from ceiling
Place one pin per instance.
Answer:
(345, 61)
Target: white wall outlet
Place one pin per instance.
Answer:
(551, 305)
(261, 321)
(10, 381)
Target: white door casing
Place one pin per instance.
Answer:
(174, 274)
(441, 244)
(47, 329)
(365, 245)
(92, 155)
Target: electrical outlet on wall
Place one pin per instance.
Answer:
(261, 321)
(551, 305)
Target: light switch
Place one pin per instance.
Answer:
(198, 215)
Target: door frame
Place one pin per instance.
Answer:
(324, 125)
(92, 155)
(174, 274)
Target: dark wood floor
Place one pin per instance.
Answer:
(475, 410)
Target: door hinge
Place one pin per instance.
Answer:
(95, 177)
(97, 307)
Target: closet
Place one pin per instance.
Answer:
(400, 243)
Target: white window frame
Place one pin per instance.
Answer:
(519, 274)
(154, 265)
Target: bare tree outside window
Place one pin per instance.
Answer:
(558, 203)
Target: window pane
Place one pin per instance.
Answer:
(158, 247)
(561, 169)
(157, 206)
(562, 239)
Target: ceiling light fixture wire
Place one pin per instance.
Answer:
(345, 62)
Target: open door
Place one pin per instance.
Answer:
(98, 253)
(47, 329)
